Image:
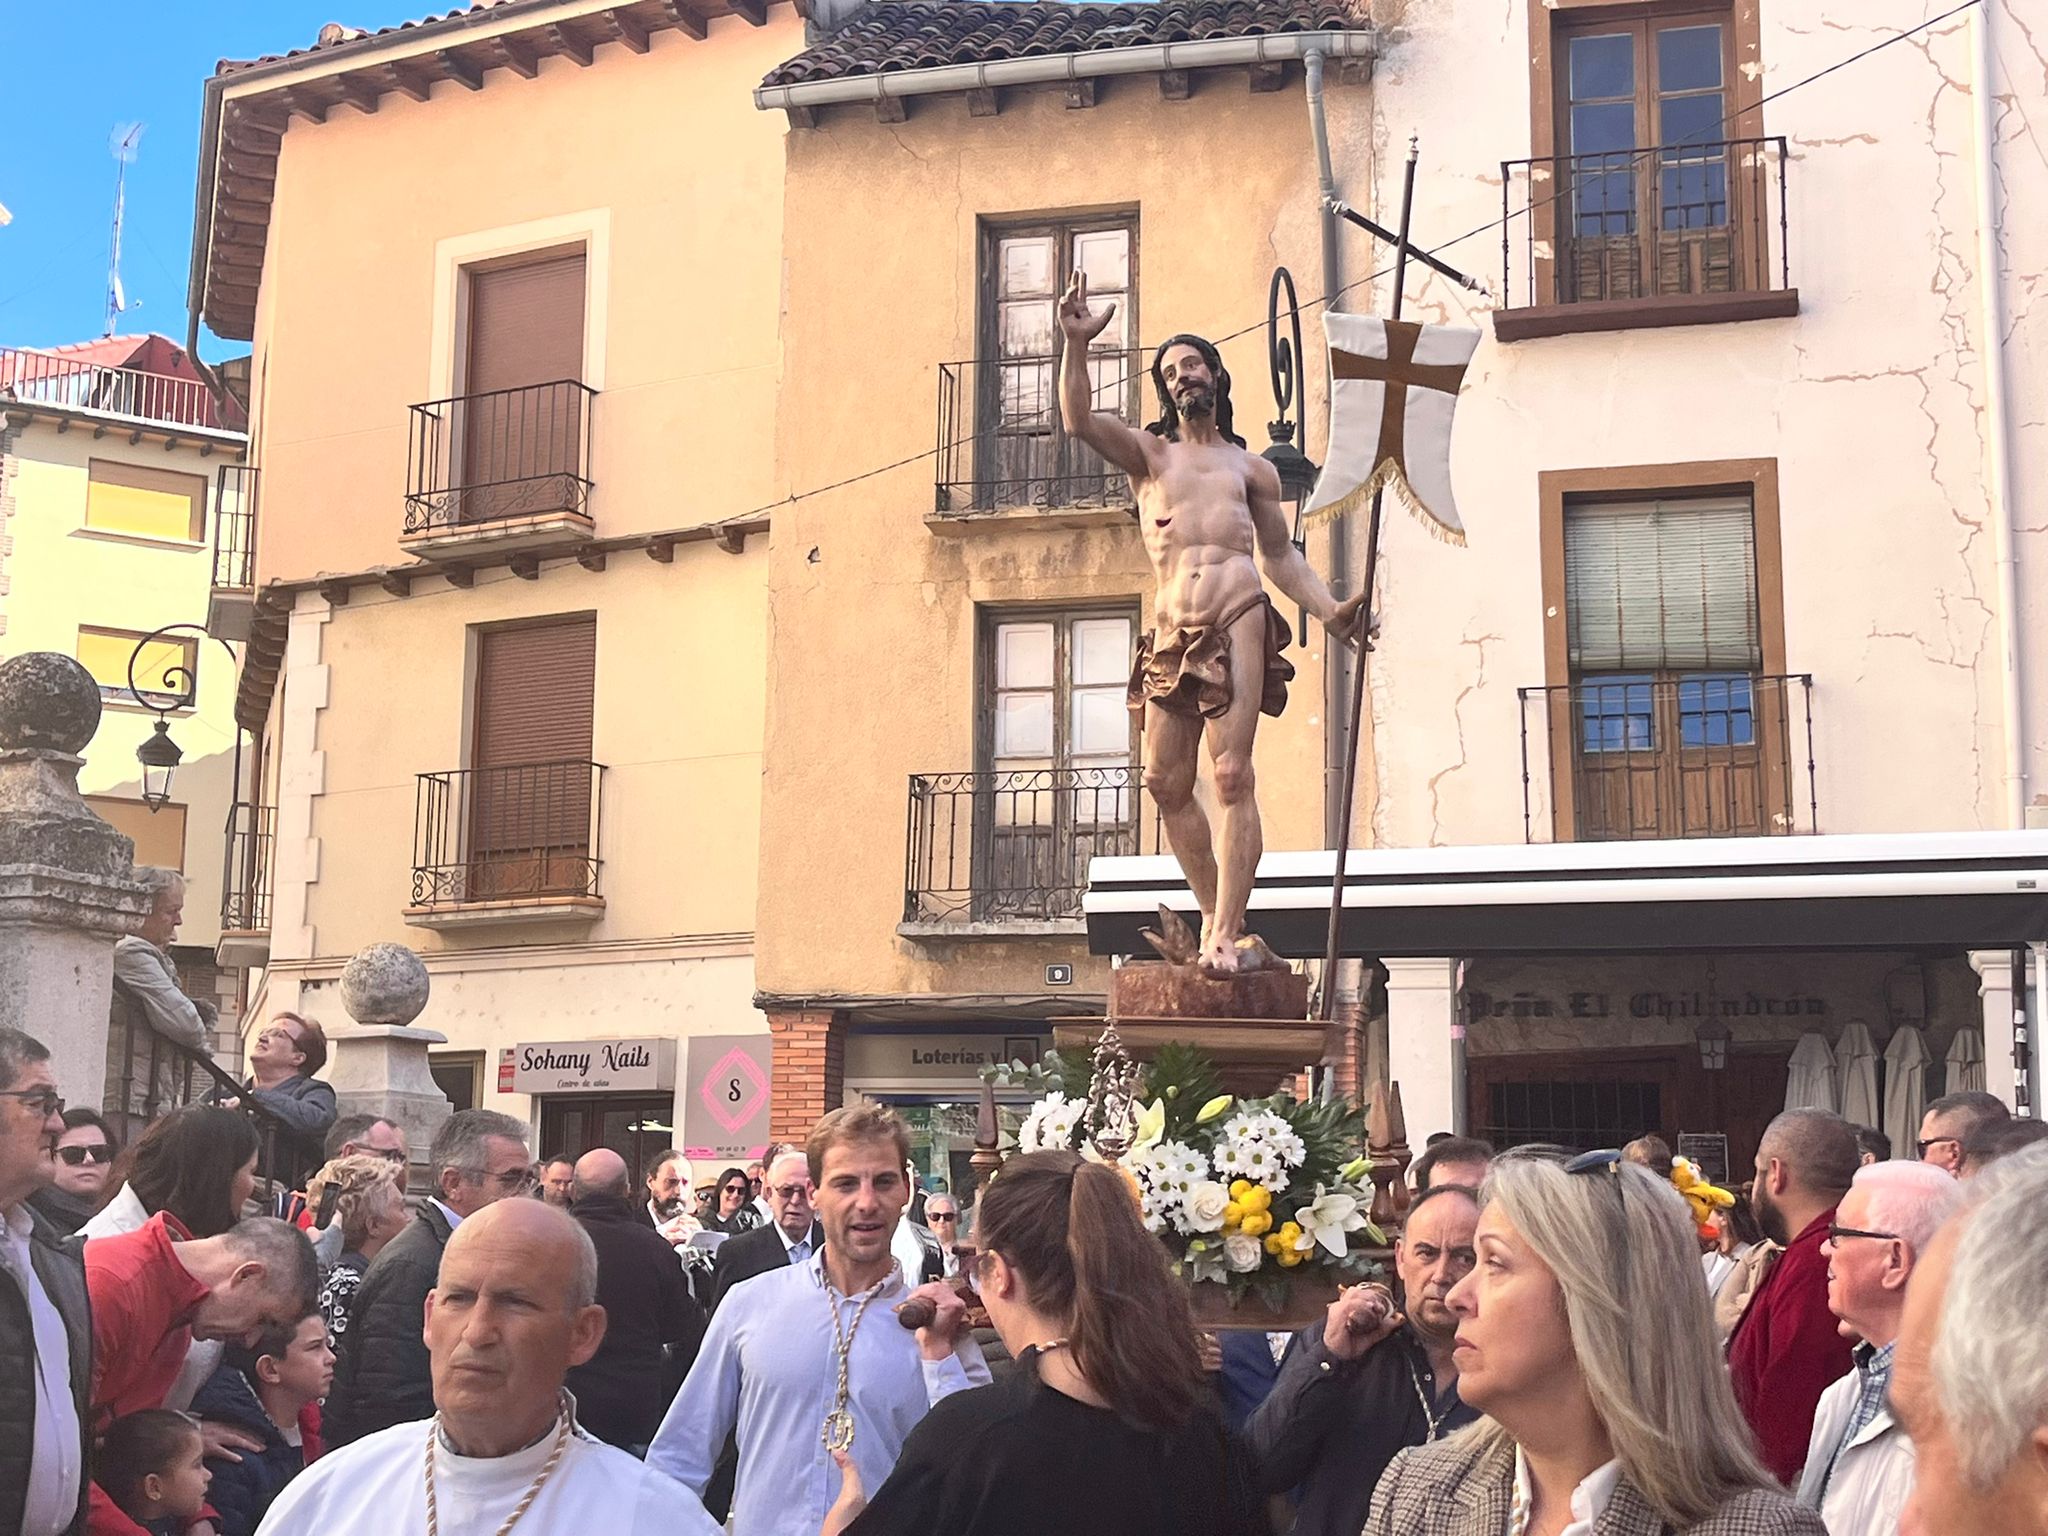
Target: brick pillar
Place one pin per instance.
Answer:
(810, 1069)
(1344, 1049)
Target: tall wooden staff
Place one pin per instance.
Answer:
(1328, 1008)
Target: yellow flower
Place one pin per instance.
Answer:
(1255, 1224)
(1256, 1199)
(1290, 1257)
(1239, 1188)
(1213, 1108)
(1233, 1213)
(1282, 1240)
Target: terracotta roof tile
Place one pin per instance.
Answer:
(892, 35)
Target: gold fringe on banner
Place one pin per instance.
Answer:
(1387, 476)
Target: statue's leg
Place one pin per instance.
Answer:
(1171, 742)
(1230, 756)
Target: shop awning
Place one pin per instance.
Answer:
(1976, 890)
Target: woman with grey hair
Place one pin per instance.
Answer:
(1584, 1336)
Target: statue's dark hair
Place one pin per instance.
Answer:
(1168, 424)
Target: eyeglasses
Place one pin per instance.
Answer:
(792, 1191)
(46, 1101)
(277, 1032)
(78, 1156)
(513, 1181)
(1936, 1141)
(1837, 1233)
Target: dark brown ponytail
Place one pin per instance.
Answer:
(1073, 1230)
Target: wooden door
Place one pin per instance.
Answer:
(531, 779)
(520, 422)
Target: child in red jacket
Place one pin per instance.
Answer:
(151, 1465)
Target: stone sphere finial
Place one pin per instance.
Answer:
(384, 984)
(48, 702)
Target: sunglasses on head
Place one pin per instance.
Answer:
(78, 1156)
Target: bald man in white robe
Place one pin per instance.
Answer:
(511, 1313)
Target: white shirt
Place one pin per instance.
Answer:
(908, 1251)
(378, 1487)
(57, 1457)
(790, 1245)
(1589, 1499)
(454, 1220)
(768, 1367)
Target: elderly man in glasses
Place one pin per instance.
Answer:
(382, 1374)
(1859, 1463)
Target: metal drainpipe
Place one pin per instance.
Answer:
(1336, 693)
(1998, 419)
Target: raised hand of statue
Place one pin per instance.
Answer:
(1077, 323)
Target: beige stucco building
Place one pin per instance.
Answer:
(509, 610)
(117, 474)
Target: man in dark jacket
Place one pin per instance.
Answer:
(45, 1326)
(383, 1375)
(620, 1393)
(282, 1060)
(791, 1238)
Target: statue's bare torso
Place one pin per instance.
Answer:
(1194, 510)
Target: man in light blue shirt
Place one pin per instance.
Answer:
(771, 1362)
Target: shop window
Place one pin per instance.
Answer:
(1582, 1114)
(460, 1077)
(633, 1125)
(145, 503)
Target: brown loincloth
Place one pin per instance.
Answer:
(1188, 671)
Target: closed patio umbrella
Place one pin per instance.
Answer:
(1966, 1062)
(1905, 1090)
(1810, 1080)
(1856, 1072)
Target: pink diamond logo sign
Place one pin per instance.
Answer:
(734, 1090)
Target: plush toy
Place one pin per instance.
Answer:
(1707, 1200)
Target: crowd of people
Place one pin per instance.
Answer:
(786, 1348)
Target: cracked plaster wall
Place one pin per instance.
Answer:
(1871, 400)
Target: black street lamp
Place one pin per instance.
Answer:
(159, 754)
(1298, 472)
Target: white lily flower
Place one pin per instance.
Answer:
(1151, 1127)
(1328, 1218)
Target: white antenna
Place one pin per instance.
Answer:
(122, 142)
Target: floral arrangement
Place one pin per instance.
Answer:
(1247, 1193)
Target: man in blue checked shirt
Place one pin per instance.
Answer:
(815, 1350)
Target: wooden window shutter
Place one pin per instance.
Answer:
(526, 323)
(530, 830)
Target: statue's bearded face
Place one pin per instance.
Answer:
(1189, 382)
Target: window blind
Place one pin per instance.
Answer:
(1662, 585)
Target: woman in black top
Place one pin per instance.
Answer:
(1108, 1428)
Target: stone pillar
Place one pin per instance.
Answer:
(1422, 1011)
(67, 891)
(380, 1066)
(810, 1069)
(1995, 979)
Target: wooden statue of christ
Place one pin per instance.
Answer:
(1208, 507)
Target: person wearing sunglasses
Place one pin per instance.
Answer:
(1859, 1463)
(733, 1211)
(45, 1318)
(84, 1157)
(1584, 1337)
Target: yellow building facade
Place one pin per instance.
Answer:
(115, 470)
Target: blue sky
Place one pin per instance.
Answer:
(70, 73)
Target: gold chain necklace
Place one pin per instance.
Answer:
(526, 1500)
(838, 1432)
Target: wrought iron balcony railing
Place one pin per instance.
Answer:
(134, 394)
(1015, 846)
(508, 453)
(1001, 444)
(1653, 223)
(245, 877)
(1637, 755)
(506, 834)
(234, 528)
